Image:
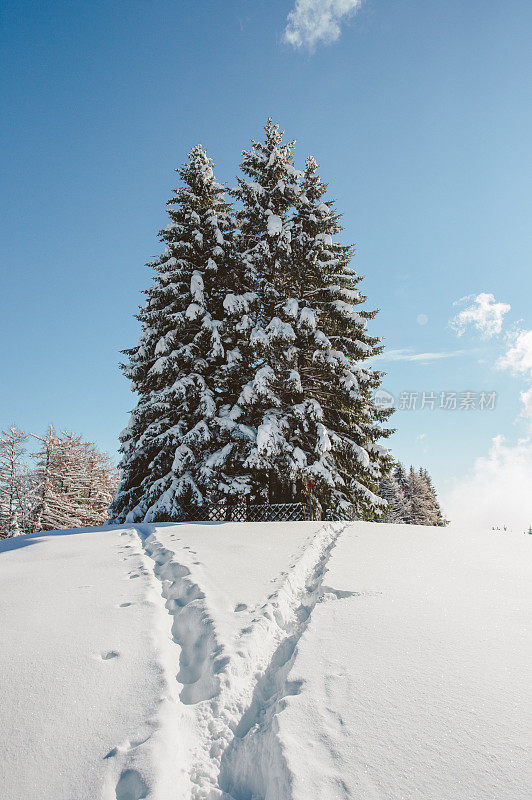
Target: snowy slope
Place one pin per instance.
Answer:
(268, 661)
(414, 669)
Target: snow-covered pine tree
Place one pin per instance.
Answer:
(303, 391)
(412, 496)
(175, 366)
(393, 494)
(400, 477)
(257, 458)
(418, 507)
(435, 516)
(11, 452)
(338, 425)
(224, 410)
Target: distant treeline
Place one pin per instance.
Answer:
(411, 498)
(66, 483)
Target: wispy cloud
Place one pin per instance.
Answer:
(484, 314)
(518, 359)
(313, 22)
(406, 354)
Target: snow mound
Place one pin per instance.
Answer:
(265, 661)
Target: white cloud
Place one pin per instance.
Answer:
(518, 357)
(313, 21)
(526, 399)
(406, 354)
(497, 491)
(484, 314)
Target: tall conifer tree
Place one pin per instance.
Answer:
(304, 390)
(174, 366)
(266, 191)
(342, 424)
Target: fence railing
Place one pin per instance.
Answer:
(340, 516)
(240, 512)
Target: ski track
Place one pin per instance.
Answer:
(236, 692)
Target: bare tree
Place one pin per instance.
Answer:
(11, 452)
(77, 482)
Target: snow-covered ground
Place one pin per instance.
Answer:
(268, 661)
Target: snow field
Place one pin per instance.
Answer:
(82, 662)
(266, 661)
(414, 669)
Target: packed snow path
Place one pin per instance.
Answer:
(266, 661)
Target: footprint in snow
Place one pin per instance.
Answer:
(125, 605)
(131, 786)
(109, 655)
(241, 607)
(134, 575)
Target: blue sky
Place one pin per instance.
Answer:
(419, 115)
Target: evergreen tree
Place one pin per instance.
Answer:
(418, 507)
(411, 497)
(303, 389)
(342, 424)
(401, 478)
(175, 366)
(395, 499)
(248, 367)
(269, 461)
(435, 515)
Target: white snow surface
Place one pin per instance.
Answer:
(264, 661)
